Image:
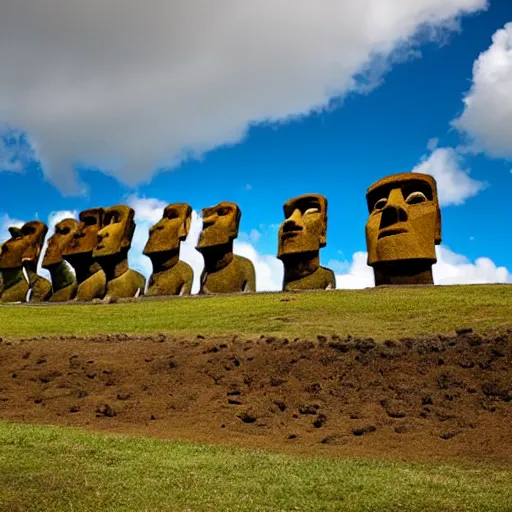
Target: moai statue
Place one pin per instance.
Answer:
(111, 252)
(33, 233)
(403, 228)
(224, 272)
(64, 283)
(301, 236)
(170, 276)
(90, 277)
(15, 287)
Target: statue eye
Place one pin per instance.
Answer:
(311, 210)
(381, 203)
(416, 198)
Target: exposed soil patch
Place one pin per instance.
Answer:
(438, 398)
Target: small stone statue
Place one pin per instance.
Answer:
(33, 233)
(14, 285)
(111, 252)
(224, 272)
(170, 276)
(301, 236)
(403, 228)
(64, 283)
(90, 277)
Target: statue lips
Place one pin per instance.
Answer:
(391, 232)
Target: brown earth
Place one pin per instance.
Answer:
(436, 398)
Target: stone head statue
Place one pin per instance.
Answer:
(33, 232)
(85, 236)
(301, 236)
(14, 287)
(115, 237)
(305, 226)
(172, 229)
(59, 241)
(220, 225)
(12, 250)
(404, 225)
(170, 276)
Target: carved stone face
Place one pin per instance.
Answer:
(405, 219)
(12, 250)
(116, 234)
(305, 225)
(170, 230)
(64, 232)
(33, 233)
(85, 237)
(220, 224)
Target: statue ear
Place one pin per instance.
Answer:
(323, 235)
(438, 229)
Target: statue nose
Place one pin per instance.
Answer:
(209, 221)
(291, 225)
(391, 215)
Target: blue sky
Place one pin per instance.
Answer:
(337, 150)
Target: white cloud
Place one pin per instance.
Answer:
(353, 274)
(454, 185)
(487, 115)
(130, 86)
(452, 268)
(432, 143)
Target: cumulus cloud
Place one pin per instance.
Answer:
(487, 115)
(131, 86)
(452, 268)
(453, 182)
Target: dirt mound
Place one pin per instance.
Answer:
(436, 398)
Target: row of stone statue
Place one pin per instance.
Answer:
(403, 227)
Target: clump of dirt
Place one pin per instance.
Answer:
(440, 397)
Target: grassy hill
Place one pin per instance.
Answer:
(379, 313)
(45, 468)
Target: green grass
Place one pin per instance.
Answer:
(379, 313)
(54, 469)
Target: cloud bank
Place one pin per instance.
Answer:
(129, 86)
(487, 115)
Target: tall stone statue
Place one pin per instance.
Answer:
(403, 228)
(90, 277)
(15, 286)
(301, 236)
(64, 283)
(224, 272)
(111, 252)
(170, 276)
(34, 233)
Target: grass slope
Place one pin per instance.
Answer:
(43, 468)
(377, 312)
